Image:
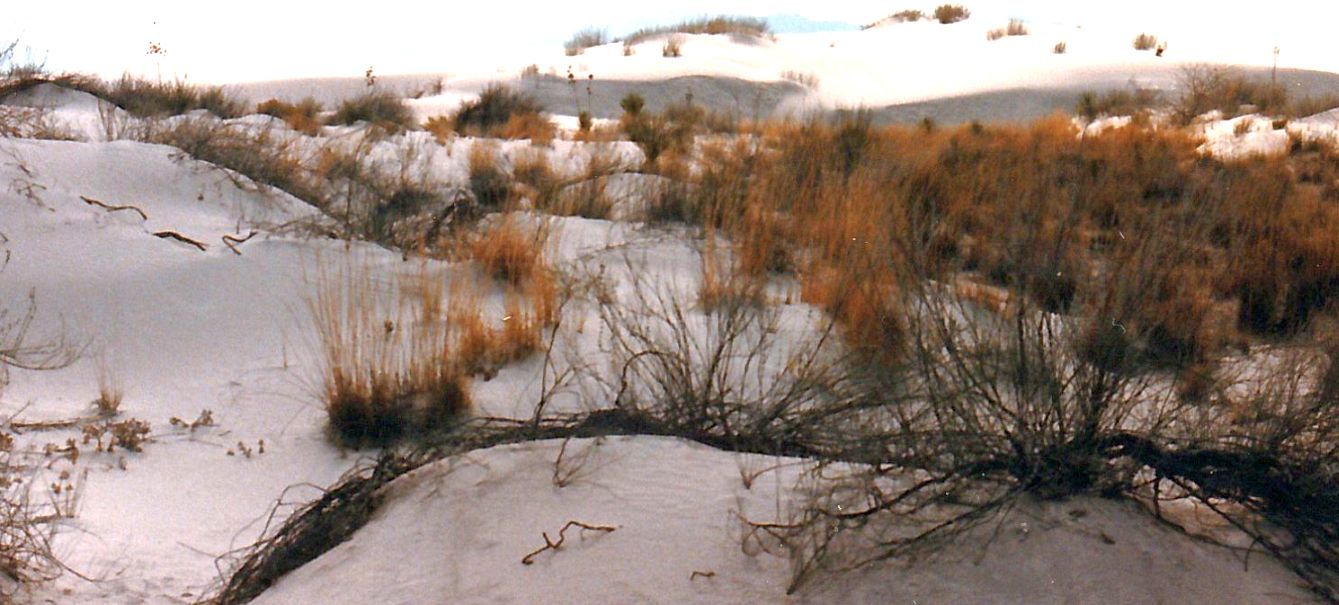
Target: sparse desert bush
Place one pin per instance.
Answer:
(1060, 48)
(672, 129)
(501, 111)
(673, 47)
(746, 26)
(1117, 102)
(1016, 28)
(1145, 42)
(303, 116)
(908, 16)
(584, 39)
(951, 13)
(144, 98)
(995, 34)
(442, 128)
(805, 79)
(264, 156)
(388, 357)
(1205, 88)
(26, 524)
(488, 179)
(509, 251)
(380, 108)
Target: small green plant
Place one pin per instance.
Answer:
(951, 13)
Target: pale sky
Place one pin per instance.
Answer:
(253, 40)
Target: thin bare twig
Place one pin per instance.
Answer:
(549, 544)
(232, 242)
(181, 238)
(112, 207)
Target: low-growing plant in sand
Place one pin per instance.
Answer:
(720, 25)
(145, 98)
(951, 13)
(1145, 42)
(500, 111)
(303, 116)
(488, 179)
(388, 356)
(584, 39)
(381, 108)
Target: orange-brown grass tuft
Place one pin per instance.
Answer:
(509, 251)
(303, 116)
(389, 366)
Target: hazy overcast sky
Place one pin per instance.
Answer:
(250, 39)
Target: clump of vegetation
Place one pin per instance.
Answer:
(388, 357)
(586, 38)
(1205, 88)
(1060, 48)
(145, 98)
(1117, 102)
(488, 179)
(673, 47)
(951, 13)
(380, 108)
(1145, 42)
(303, 116)
(502, 112)
(746, 26)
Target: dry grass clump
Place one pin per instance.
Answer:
(145, 98)
(951, 13)
(1131, 226)
(381, 108)
(746, 26)
(1204, 88)
(488, 178)
(509, 251)
(303, 116)
(389, 364)
(586, 38)
(262, 155)
(1117, 102)
(502, 112)
(1145, 42)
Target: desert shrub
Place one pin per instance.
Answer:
(1117, 102)
(805, 79)
(995, 34)
(747, 26)
(1016, 28)
(951, 13)
(303, 116)
(1060, 48)
(1309, 106)
(509, 251)
(500, 109)
(908, 15)
(1205, 88)
(584, 39)
(1145, 42)
(488, 179)
(264, 156)
(380, 108)
(442, 128)
(672, 129)
(144, 98)
(673, 47)
(26, 524)
(388, 366)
